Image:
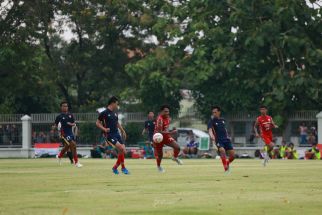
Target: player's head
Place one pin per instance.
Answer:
(113, 103)
(291, 145)
(165, 110)
(150, 115)
(263, 109)
(216, 111)
(64, 106)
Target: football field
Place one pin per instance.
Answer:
(40, 186)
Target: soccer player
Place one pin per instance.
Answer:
(162, 126)
(218, 133)
(149, 126)
(66, 121)
(108, 122)
(265, 124)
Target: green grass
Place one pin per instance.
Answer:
(40, 186)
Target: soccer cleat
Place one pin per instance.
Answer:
(227, 171)
(59, 160)
(78, 165)
(161, 170)
(125, 171)
(179, 162)
(115, 171)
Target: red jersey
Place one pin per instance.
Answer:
(265, 124)
(162, 124)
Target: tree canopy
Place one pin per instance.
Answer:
(234, 53)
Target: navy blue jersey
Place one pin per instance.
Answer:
(219, 127)
(63, 118)
(149, 125)
(109, 120)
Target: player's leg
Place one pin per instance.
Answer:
(231, 156)
(176, 150)
(70, 155)
(222, 154)
(120, 155)
(62, 152)
(158, 154)
(74, 151)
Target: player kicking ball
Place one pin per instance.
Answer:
(265, 124)
(108, 122)
(162, 127)
(218, 133)
(66, 122)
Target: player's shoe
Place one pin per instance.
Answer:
(227, 171)
(115, 171)
(161, 170)
(179, 162)
(59, 160)
(125, 171)
(265, 161)
(78, 165)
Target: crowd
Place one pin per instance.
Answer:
(45, 137)
(9, 135)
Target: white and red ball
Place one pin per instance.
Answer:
(157, 138)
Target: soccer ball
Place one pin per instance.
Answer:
(157, 138)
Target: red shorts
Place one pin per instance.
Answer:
(267, 139)
(167, 139)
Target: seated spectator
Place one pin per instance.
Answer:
(192, 145)
(282, 150)
(311, 139)
(291, 153)
(313, 153)
(148, 151)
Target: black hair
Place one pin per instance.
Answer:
(263, 106)
(216, 107)
(164, 107)
(150, 112)
(113, 99)
(64, 102)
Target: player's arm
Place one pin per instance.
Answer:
(273, 123)
(99, 123)
(119, 126)
(72, 121)
(145, 128)
(212, 134)
(255, 128)
(101, 127)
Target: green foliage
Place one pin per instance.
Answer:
(134, 133)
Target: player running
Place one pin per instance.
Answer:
(149, 126)
(108, 122)
(65, 122)
(265, 124)
(218, 133)
(162, 126)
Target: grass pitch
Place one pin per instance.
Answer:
(40, 186)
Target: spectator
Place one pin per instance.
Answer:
(313, 153)
(311, 139)
(291, 153)
(282, 150)
(192, 145)
(7, 135)
(148, 151)
(303, 133)
(1, 134)
(53, 136)
(41, 138)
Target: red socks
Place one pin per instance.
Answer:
(224, 161)
(176, 152)
(231, 159)
(120, 160)
(75, 158)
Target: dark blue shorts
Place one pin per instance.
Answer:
(114, 138)
(226, 144)
(69, 137)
